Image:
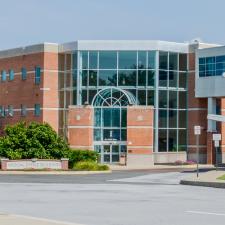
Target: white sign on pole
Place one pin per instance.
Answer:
(197, 130)
(216, 137)
(217, 143)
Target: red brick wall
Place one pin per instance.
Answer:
(140, 130)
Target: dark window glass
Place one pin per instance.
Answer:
(127, 77)
(218, 72)
(23, 110)
(141, 77)
(24, 73)
(107, 77)
(182, 119)
(115, 117)
(210, 66)
(210, 60)
(74, 62)
(201, 67)
(142, 97)
(173, 79)
(84, 97)
(151, 59)
(182, 99)
(163, 118)
(93, 60)
(220, 59)
(162, 99)
(173, 61)
(172, 99)
(74, 97)
(151, 77)
(163, 75)
(123, 135)
(92, 93)
(142, 60)
(183, 62)
(202, 74)
(107, 59)
(172, 118)
(182, 145)
(37, 109)
(74, 74)
(172, 140)
(84, 75)
(163, 60)
(182, 80)
(210, 73)
(97, 134)
(10, 111)
(201, 60)
(127, 60)
(11, 74)
(84, 61)
(150, 97)
(37, 79)
(106, 117)
(92, 78)
(162, 140)
(97, 120)
(124, 117)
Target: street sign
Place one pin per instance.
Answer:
(217, 143)
(216, 137)
(197, 130)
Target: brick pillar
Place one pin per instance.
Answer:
(65, 163)
(4, 164)
(80, 127)
(140, 135)
(210, 149)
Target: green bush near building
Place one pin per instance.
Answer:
(35, 140)
(90, 166)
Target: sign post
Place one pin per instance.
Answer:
(216, 139)
(197, 132)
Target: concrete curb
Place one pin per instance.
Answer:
(53, 172)
(203, 183)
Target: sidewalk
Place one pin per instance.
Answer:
(206, 179)
(8, 219)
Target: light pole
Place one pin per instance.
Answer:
(197, 132)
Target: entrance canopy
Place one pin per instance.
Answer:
(113, 97)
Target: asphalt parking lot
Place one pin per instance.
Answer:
(121, 198)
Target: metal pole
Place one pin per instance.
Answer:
(216, 158)
(197, 152)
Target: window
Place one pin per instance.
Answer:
(37, 109)
(127, 77)
(108, 77)
(23, 110)
(163, 60)
(2, 111)
(23, 73)
(3, 73)
(107, 60)
(37, 75)
(128, 60)
(10, 111)
(11, 74)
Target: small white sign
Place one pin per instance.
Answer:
(197, 130)
(216, 137)
(217, 143)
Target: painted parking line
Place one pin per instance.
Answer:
(206, 213)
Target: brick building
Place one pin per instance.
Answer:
(133, 98)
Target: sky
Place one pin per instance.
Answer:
(25, 22)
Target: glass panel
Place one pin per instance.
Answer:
(106, 117)
(151, 77)
(172, 99)
(162, 141)
(151, 60)
(201, 60)
(172, 140)
(23, 73)
(210, 60)
(92, 78)
(150, 97)
(163, 77)
(163, 60)
(127, 77)
(142, 60)
(162, 99)
(220, 59)
(84, 97)
(37, 75)
(142, 77)
(123, 148)
(123, 135)
(84, 60)
(107, 59)
(74, 58)
(182, 138)
(182, 80)
(92, 93)
(173, 79)
(142, 97)
(84, 75)
(97, 121)
(74, 76)
(115, 117)
(107, 77)
(182, 119)
(124, 117)
(173, 61)
(182, 99)
(127, 60)
(163, 118)
(115, 149)
(93, 60)
(172, 118)
(97, 134)
(115, 158)
(11, 74)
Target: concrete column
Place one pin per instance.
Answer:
(211, 110)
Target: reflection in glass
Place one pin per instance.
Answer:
(172, 140)
(107, 60)
(163, 60)
(127, 77)
(107, 77)
(163, 75)
(162, 140)
(141, 77)
(127, 60)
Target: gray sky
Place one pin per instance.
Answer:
(25, 22)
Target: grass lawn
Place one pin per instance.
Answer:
(221, 177)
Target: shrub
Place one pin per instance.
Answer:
(89, 166)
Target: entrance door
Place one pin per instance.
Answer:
(110, 153)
